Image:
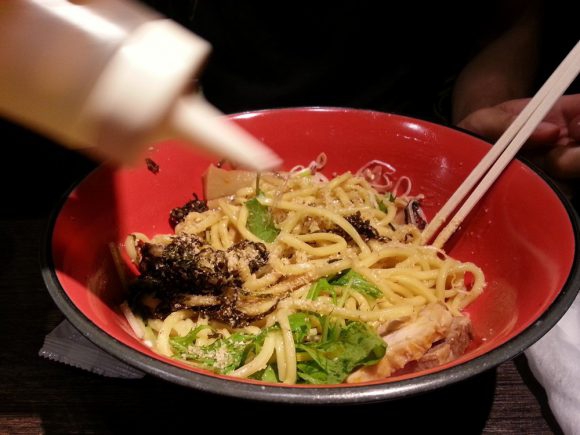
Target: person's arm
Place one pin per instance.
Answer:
(505, 68)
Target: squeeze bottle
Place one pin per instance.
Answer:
(110, 76)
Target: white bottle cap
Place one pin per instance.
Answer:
(142, 89)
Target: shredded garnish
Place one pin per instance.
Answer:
(313, 167)
(380, 175)
(401, 182)
(377, 173)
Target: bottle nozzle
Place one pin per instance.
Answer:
(206, 128)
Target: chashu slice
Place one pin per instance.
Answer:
(452, 347)
(408, 343)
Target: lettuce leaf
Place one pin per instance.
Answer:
(320, 286)
(347, 278)
(382, 205)
(260, 221)
(300, 326)
(181, 344)
(266, 375)
(355, 281)
(330, 328)
(333, 360)
(222, 356)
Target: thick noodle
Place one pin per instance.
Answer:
(325, 228)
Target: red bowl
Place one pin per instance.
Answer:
(523, 234)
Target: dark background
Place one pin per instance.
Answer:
(371, 55)
(37, 395)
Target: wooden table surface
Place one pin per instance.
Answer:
(41, 396)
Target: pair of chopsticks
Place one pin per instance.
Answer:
(504, 150)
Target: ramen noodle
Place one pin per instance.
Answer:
(297, 278)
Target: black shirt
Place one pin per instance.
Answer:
(390, 56)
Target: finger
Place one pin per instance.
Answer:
(545, 133)
(570, 105)
(574, 129)
(564, 162)
(490, 122)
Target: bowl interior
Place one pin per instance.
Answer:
(520, 234)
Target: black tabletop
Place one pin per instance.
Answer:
(41, 396)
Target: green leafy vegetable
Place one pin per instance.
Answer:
(382, 206)
(356, 282)
(347, 278)
(330, 329)
(300, 326)
(260, 221)
(333, 360)
(256, 346)
(320, 286)
(222, 356)
(266, 375)
(269, 375)
(181, 344)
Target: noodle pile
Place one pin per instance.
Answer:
(343, 269)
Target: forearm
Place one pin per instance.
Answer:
(505, 69)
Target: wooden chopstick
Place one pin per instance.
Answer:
(504, 150)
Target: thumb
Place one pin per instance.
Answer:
(490, 122)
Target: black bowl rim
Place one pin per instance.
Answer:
(317, 395)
